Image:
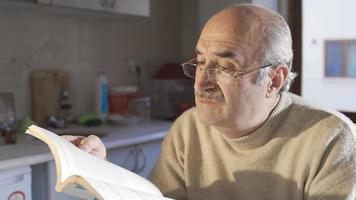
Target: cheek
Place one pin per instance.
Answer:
(252, 96)
(240, 96)
(231, 93)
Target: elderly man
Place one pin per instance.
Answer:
(247, 137)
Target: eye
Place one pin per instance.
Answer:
(199, 63)
(227, 67)
(224, 69)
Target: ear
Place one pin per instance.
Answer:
(277, 80)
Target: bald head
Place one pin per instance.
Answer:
(239, 19)
(246, 25)
(258, 36)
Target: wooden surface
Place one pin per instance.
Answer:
(46, 85)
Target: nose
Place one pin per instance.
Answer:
(203, 81)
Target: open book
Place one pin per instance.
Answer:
(83, 175)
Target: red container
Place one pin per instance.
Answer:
(119, 99)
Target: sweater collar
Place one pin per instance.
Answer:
(263, 134)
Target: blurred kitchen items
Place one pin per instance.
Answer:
(46, 88)
(141, 107)
(102, 102)
(23, 124)
(171, 71)
(9, 135)
(119, 99)
(55, 122)
(7, 117)
(65, 106)
(171, 92)
(64, 114)
(171, 97)
(88, 120)
(124, 119)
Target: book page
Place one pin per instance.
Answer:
(109, 191)
(73, 161)
(78, 190)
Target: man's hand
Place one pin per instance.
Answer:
(91, 144)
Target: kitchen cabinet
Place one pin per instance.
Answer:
(139, 158)
(44, 181)
(83, 4)
(130, 7)
(15, 184)
(150, 153)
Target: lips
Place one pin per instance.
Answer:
(206, 101)
(209, 97)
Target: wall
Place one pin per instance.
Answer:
(271, 4)
(190, 30)
(327, 20)
(83, 42)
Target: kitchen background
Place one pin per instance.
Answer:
(84, 41)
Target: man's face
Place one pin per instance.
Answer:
(227, 102)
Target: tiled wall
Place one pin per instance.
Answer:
(83, 42)
(190, 30)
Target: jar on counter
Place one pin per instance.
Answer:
(119, 99)
(141, 106)
(9, 135)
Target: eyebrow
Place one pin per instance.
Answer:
(223, 54)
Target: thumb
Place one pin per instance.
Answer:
(85, 145)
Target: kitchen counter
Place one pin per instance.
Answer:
(30, 151)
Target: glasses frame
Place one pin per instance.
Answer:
(233, 75)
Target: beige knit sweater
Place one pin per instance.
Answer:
(300, 152)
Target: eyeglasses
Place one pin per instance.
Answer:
(191, 68)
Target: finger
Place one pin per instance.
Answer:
(74, 139)
(90, 143)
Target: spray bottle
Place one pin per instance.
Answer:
(102, 101)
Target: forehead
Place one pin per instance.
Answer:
(224, 35)
(237, 30)
(228, 46)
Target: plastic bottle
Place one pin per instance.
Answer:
(102, 103)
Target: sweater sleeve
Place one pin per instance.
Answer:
(168, 173)
(336, 175)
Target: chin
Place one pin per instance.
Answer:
(209, 116)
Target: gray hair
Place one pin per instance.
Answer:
(278, 49)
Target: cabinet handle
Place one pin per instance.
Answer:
(134, 155)
(140, 152)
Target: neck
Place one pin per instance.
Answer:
(237, 131)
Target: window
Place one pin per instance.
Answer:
(340, 58)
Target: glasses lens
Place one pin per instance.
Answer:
(189, 69)
(216, 75)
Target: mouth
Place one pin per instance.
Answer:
(209, 98)
(206, 101)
